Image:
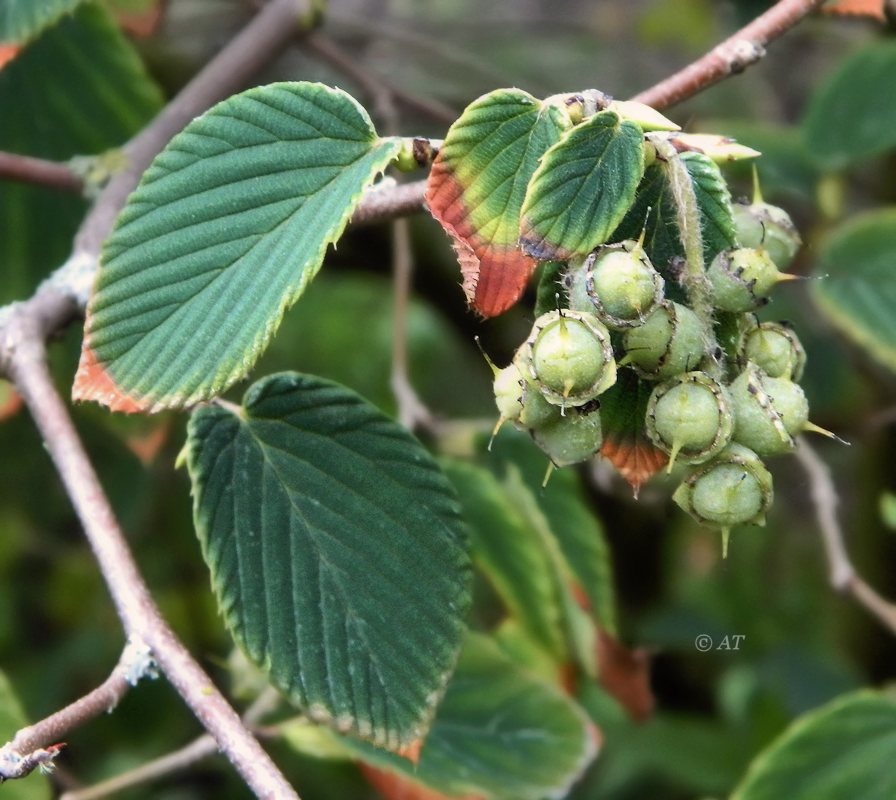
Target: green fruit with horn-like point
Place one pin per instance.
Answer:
(669, 342)
(574, 437)
(569, 357)
(775, 349)
(618, 284)
(765, 226)
(741, 279)
(733, 489)
(690, 418)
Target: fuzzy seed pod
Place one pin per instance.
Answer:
(742, 279)
(769, 412)
(668, 343)
(734, 488)
(574, 437)
(775, 349)
(618, 284)
(690, 418)
(569, 357)
(765, 226)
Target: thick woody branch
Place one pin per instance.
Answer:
(142, 621)
(843, 577)
(731, 57)
(40, 171)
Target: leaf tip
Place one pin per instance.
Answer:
(635, 460)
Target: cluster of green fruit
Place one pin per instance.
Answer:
(720, 413)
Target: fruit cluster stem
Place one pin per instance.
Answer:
(693, 275)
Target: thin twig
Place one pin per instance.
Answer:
(141, 618)
(178, 760)
(375, 86)
(731, 57)
(27, 169)
(843, 576)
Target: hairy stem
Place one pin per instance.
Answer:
(731, 57)
(693, 276)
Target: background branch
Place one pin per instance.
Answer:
(38, 170)
(843, 576)
(731, 57)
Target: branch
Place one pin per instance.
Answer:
(40, 171)
(843, 576)
(25, 362)
(183, 758)
(31, 746)
(731, 57)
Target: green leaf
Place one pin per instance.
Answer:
(572, 520)
(23, 20)
(856, 289)
(226, 229)
(844, 750)
(654, 210)
(12, 719)
(510, 553)
(477, 185)
(58, 102)
(499, 733)
(852, 116)
(583, 188)
(336, 551)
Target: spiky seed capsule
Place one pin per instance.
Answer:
(775, 349)
(689, 417)
(572, 438)
(734, 488)
(668, 343)
(618, 284)
(769, 227)
(742, 279)
(508, 389)
(570, 357)
(769, 412)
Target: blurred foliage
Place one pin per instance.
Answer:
(803, 644)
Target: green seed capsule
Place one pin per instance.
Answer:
(668, 343)
(761, 225)
(690, 418)
(769, 412)
(508, 389)
(734, 488)
(570, 358)
(536, 410)
(618, 284)
(775, 349)
(572, 438)
(742, 279)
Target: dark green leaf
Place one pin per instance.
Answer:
(583, 188)
(843, 751)
(226, 229)
(79, 89)
(336, 552)
(510, 553)
(499, 733)
(852, 116)
(856, 289)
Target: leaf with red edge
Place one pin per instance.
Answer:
(626, 446)
(857, 8)
(625, 674)
(139, 18)
(477, 185)
(7, 53)
(24, 20)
